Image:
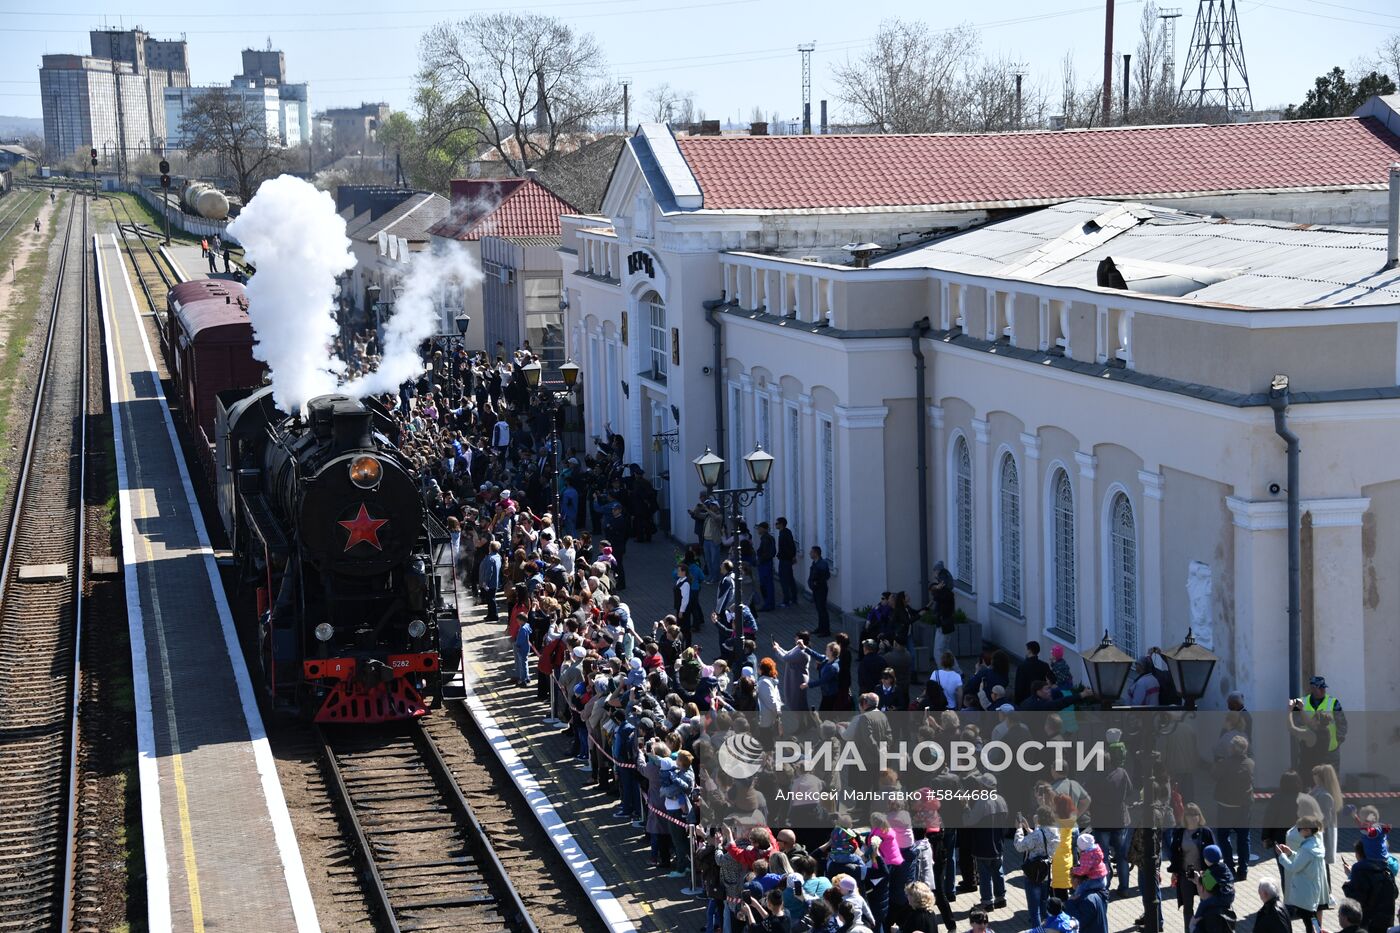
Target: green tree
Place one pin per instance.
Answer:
(1332, 95)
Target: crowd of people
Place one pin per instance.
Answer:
(647, 706)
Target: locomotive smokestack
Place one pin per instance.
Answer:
(350, 426)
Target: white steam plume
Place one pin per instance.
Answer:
(415, 317)
(296, 241)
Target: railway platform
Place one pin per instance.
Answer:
(611, 857)
(220, 851)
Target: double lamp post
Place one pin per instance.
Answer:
(552, 399)
(711, 468)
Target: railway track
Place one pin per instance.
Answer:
(41, 604)
(14, 206)
(425, 859)
(132, 231)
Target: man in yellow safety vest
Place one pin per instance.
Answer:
(1322, 711)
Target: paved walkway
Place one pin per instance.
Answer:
(220, 852)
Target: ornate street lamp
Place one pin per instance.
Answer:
(1190, 665)
(710, 467)
(569, 371)
(532, 374)
(1107, 668)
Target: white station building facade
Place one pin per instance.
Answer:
(1100, 316)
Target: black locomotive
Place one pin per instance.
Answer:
(356, 622)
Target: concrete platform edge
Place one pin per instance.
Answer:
(609, 908)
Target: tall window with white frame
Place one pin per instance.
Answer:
(792, 459)
(763, 430)
(1123, 573)
(826, 516)
(736, 434)
(660, 337)
(1064, 619)
(962, 471)
(1009, 535)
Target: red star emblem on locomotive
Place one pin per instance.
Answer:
(363, 528)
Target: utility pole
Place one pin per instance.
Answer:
(626, 106)
(1108, 62)
(806, 50)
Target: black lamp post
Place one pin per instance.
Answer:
(760, 466)
(1190, 665)
(553, 400)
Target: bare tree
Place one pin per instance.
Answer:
(672, 105)
(518, 83)
(1386, 59)
(1154, 88)
(989, 96)
(908, 81)
(219, 123)
(1082, 105)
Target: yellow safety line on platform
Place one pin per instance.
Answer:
(177, 759)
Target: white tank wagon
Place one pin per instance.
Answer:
(204, 199)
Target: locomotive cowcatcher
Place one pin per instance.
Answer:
(356, 622)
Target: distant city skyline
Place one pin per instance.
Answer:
(733, 54)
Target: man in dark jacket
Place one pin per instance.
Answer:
(1371, 885)
(787, 561)
(766, 553)
(1214, 918)
(872, 665)
(1272, 916)
(1031, 670)
(818, 581)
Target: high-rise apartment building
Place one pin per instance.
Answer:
(113, 99)
(280, 109)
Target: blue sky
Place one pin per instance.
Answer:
(734, 54)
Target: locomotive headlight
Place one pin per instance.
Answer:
(416, 628)
(324, 631)
(366, 472)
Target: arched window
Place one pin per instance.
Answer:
(1064, 616)
(1123, 573)
(962, 469)
(1009, 535)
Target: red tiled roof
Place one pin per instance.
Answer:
(502, 207)
(796, 172)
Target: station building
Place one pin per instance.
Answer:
(1100, 316)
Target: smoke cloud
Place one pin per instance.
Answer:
(415, 317)
(293, 236)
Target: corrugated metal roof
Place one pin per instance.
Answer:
(1283, 265)
(410, 219)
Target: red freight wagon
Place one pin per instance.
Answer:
(209, 344)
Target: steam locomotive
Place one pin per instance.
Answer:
(355, 620)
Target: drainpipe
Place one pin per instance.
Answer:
(1278, 401)
(1392, 225)
(712, 315)
(916, 335)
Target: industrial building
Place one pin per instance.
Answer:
(282, 109)
(351, 129)
(113, 99)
